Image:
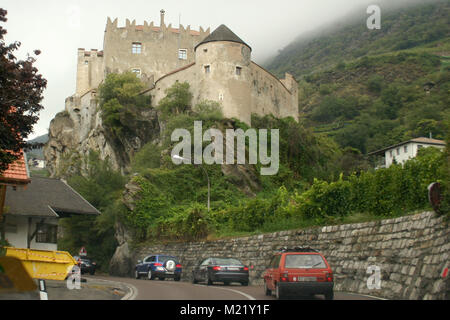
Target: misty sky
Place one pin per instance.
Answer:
(59, 27)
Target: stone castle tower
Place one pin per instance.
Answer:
(217, 66)
(148, 50)
(223, 71)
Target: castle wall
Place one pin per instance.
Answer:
(272, 96)
(254, 90)
(89, 70)
(159, 47)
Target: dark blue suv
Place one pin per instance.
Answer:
(159, 266)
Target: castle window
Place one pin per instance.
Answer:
(137, 72)
(220, 96)
(182, 54)
(136, 48)
(86, 62)
(238, 71)
(207, 69)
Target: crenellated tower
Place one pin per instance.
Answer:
(149, 50)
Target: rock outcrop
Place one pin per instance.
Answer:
(78, 130)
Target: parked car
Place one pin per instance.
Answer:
(298, 271)
(86, 265)
(216, 269)
(159, 266)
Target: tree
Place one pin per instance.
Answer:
(120, 101)
(21, 89)
(177, 100)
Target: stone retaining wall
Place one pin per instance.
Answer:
(411, 251)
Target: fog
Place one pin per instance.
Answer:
(58, 28)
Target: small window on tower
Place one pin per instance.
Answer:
(238, 71)
(207, 69)
(86, 62)
(137, 72)
(182, 54)
(136, 48)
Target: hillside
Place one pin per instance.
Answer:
(401, 29)
(39, 152)
(372, 88)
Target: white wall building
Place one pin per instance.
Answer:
(31, 215)
(404, 151)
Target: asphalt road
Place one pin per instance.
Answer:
(172, 290)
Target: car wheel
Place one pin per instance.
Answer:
(278, 293)
(329, 295)
(227, 283)
(245, 283)
(267, 291)
(150, 275)
(136, 274)
(92, 272)
(194, 281)
(161, 278)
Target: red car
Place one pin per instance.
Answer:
(299, 271)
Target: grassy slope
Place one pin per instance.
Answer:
(336, 70)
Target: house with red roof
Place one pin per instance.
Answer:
(30, 208)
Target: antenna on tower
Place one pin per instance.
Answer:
(179, 35)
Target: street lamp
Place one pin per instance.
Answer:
(177, 157)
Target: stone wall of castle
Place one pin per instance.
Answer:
(223, 72)
(412, 253)
(155, 54)
(158, 51)
(90, 70)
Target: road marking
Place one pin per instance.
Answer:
(249, 297)
(131, 295)
(363, 295)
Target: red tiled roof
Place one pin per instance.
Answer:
(16, 174)
(174, 30)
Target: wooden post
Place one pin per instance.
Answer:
(2, 199)
(2, 217)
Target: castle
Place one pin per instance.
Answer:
(217, 66)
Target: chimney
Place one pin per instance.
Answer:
(162, 18)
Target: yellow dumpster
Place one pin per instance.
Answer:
(43, 264)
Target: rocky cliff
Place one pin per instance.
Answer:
(78, 130)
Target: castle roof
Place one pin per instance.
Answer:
(222, 33)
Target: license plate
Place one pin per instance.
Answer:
(168, 272)
(307, 279)
(233, 269)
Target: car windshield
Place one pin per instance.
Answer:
(294, 261)
(226, 262)
(165, 258)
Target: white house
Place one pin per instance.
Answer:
(406, 150)
(31, 215)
